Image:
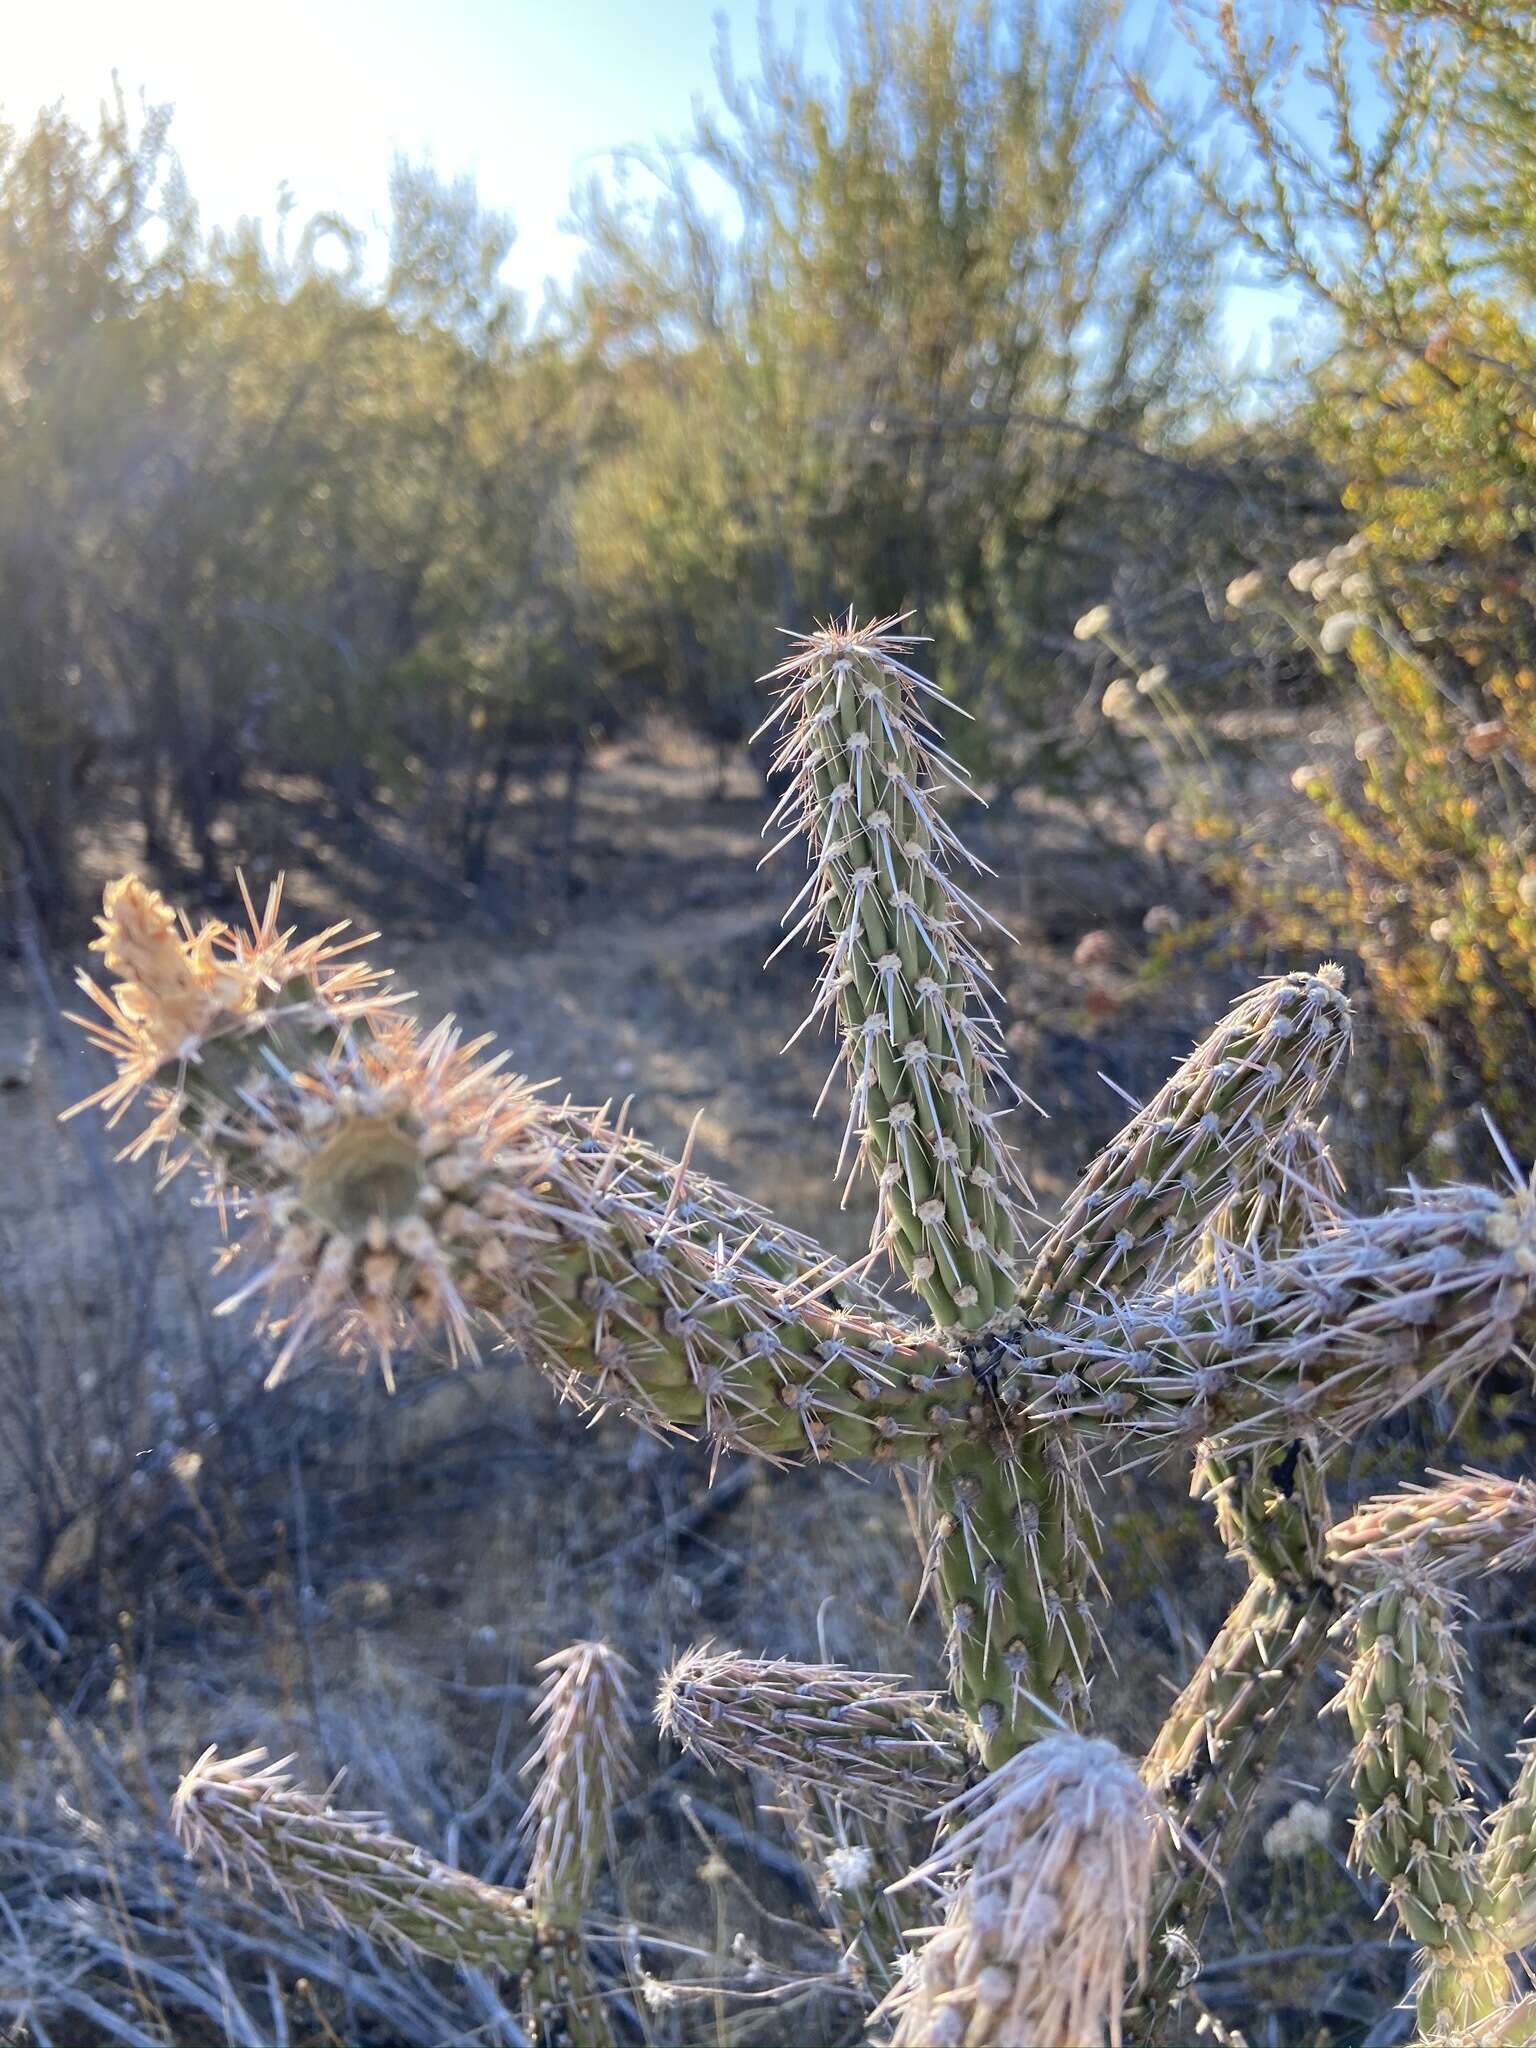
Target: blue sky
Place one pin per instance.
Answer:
(529, 95)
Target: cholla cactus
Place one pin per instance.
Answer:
(248, 1820)
(1418, 1828)
(1203, 1293)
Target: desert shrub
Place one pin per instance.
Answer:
(1408, 234)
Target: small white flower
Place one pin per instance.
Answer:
(1302, 573)
(1152, 678)
(1242, 590)
(1306, 1826)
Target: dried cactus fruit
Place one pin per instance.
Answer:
(184, 991)
(1035, 1944)
(1417, 1828)
(246, 1818)
(1159, 1183)
(910, 993)
(857, 1734)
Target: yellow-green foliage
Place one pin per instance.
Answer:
(1416, 236)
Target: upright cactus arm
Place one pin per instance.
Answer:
(393, 1185)
(246, 1819)
(1509, 1861)
(1144, 1202)
(910, 996)
(1208, 1765)
(902, 978)
(583, 1766)
(1416, 1826)
(1135, 1215)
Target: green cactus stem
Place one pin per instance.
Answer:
(1160, 1183)
(1417, 1828)
(391, 1186)
(1464, 1525)
(244, 1817)
(1323, 1340)
(1208, 1765)
(909, 993)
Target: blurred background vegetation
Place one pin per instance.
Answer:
(349, 562)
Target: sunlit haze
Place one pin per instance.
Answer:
(530, 96)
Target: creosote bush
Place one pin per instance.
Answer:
(1203, 1295)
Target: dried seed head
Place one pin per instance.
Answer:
(1034, 1947)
